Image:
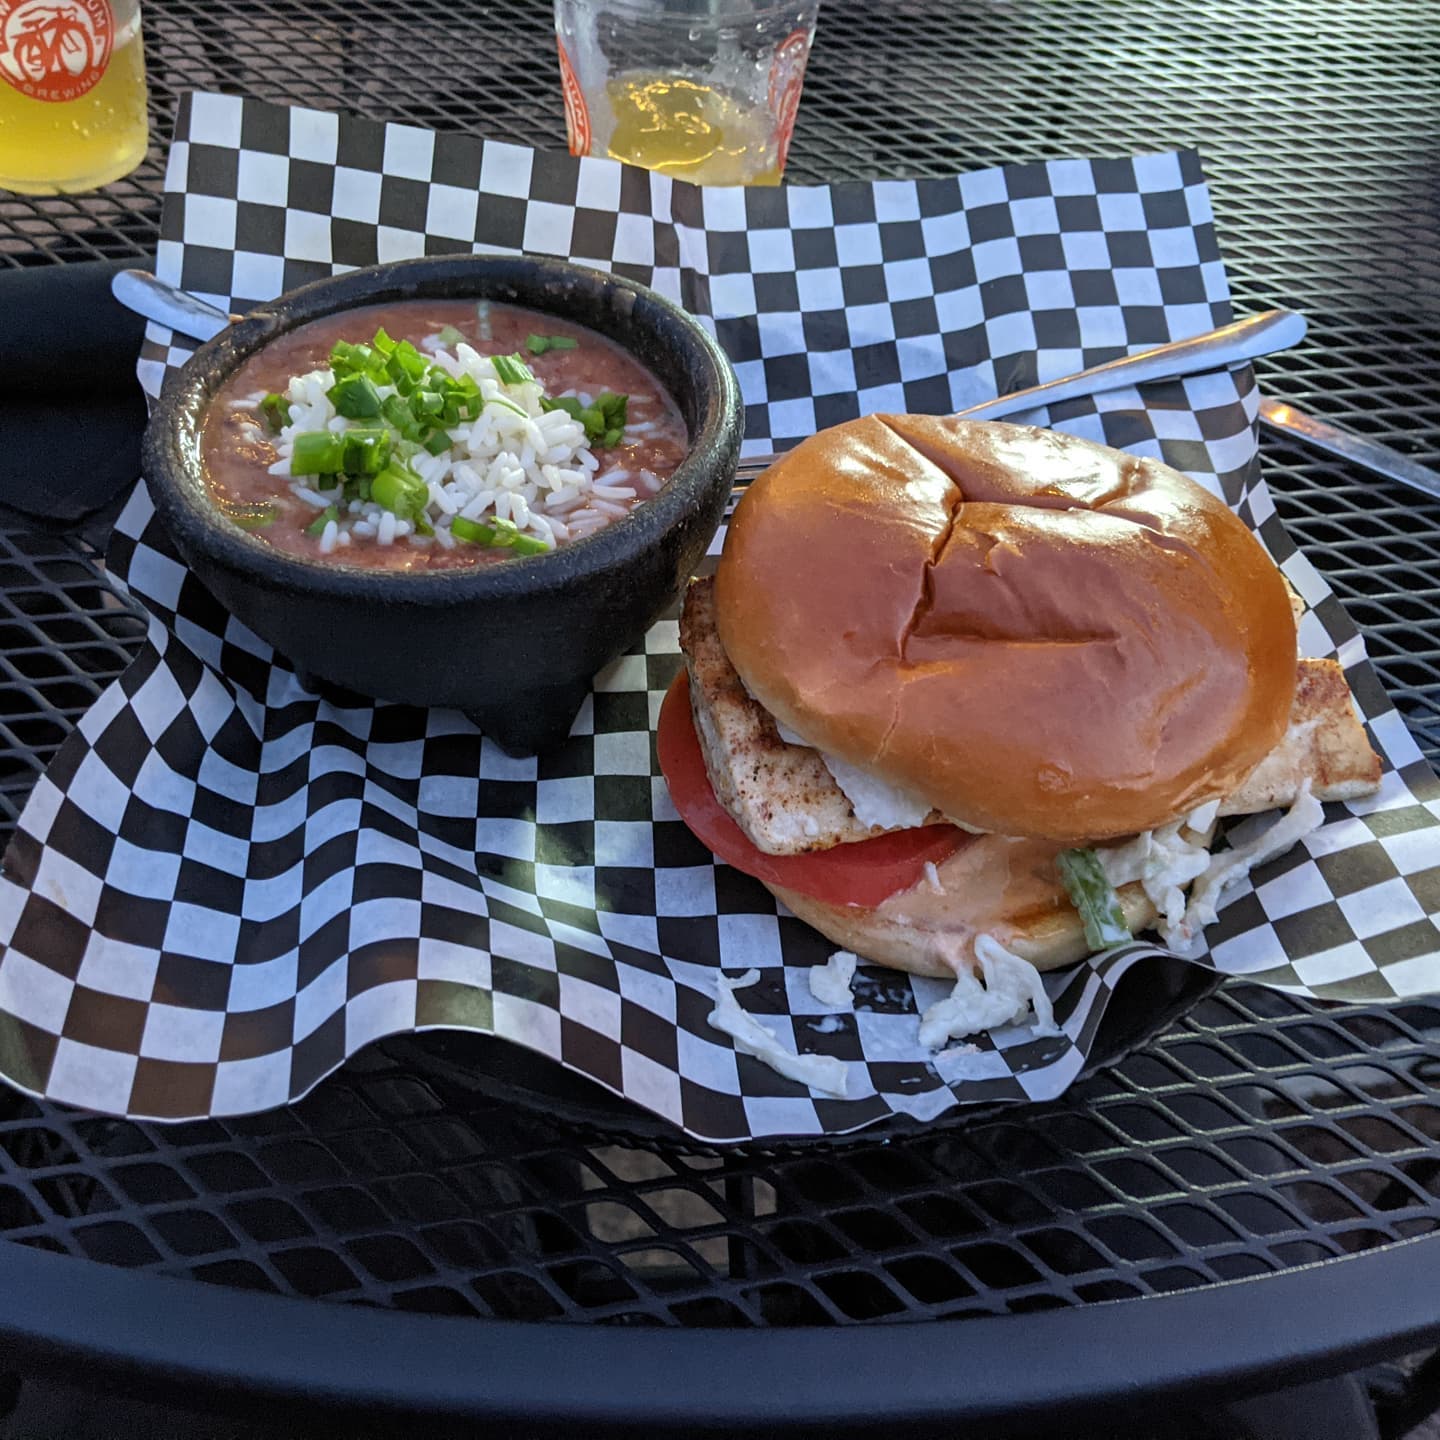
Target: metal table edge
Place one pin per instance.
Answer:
(202, 1341)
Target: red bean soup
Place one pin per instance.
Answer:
(428, 434)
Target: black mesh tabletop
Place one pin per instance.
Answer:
(434, 1180)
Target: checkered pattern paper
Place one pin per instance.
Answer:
(225, 885)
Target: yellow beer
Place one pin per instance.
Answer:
(72, 94)
(691, 130)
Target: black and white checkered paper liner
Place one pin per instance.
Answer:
(225, 885)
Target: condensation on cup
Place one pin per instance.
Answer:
(72, 94)
(706, 92)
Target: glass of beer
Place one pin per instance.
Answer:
(72, 94)
(704, 90)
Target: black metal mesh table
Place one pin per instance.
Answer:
(1258, 1135)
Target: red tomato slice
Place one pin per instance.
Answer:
(862, 873)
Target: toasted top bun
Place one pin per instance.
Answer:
(1042, 636)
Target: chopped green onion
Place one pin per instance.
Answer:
(318, 524)
(382, 342)
(399, 414)
(355, 397)
(612, 407)
(1094, 897)
(423, 526)
(449, 335)
(252, 517)
(406, 367)
(276, 410)
(604, 419)
(437, 442)
(499, 534)
(509, 535)
(511, 369)
(539, 344)
(317, 452)
(401, 491)
(471, 530)
(505, 402)
(365, 450)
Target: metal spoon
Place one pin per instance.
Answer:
(1231, 344)
(1241, 340)
(1246, 339)
(140, 292)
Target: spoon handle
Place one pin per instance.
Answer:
(1245, 339)
(140, 291)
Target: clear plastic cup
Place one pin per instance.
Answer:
(706, 92)
(72, 94)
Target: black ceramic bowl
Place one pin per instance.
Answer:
(513, 644)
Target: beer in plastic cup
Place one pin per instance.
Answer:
(705, 90)
(72, 94)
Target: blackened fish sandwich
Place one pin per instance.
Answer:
(973, 697)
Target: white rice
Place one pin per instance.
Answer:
(529, 466)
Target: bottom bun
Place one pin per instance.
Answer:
(935, 933)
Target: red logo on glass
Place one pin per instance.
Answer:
(55, 49)
(577, 114)
(787, 75)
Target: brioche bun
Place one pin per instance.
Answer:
(1041, 636)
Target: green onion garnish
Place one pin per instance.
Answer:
(471, 530)
(355, 397)
(511, 369)
(507, 403)
(401, 491)
(276, 410)
(317, 452)
(398, 413)
(318, 524)
(1094, 897)
(498, 535)
(539, 344)
(449, 335)
(603, 419)
(437, 442)
(365, 449)
(382, 342)
(252, 517)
